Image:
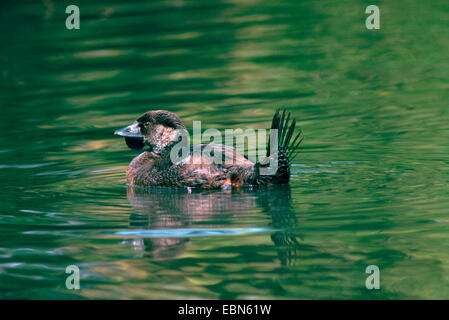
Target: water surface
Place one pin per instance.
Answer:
(370, 186)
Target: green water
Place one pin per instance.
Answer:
(370, 186)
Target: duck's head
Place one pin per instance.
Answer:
(159, 129)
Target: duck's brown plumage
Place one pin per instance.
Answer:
(158, 129)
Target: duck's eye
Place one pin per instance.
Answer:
(147, 124)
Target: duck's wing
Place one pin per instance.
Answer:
(216, 154)
(229, 156)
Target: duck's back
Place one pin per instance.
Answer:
(211, 166)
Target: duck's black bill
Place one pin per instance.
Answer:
(132, 135)
(131, 131)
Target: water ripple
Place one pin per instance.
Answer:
(181, 233)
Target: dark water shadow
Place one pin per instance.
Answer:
(166, 219)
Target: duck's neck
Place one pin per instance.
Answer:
(173, 150)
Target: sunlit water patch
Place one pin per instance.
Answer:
(190, 232)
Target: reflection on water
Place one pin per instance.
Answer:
(174, 211)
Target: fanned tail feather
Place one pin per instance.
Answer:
(286, 131)
(288, 144)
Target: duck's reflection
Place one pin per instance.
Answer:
(181, 209)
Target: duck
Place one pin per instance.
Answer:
(163, 165)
